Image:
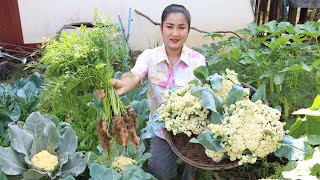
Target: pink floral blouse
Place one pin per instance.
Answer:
(153, 65)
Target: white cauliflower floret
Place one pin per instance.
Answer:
(183, 112)
(121, 162)
(228, 81)
(45, 161)
(249, 126)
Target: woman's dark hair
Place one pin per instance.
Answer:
(176, 8)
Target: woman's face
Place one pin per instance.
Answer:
(175, 31)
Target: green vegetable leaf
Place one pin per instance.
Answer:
(143, 158)
(293, 149)
(315, 170)
(51, 131)
(39, 144)
(260, 94)
(98, 172)
(279, 78)
(309, 127)
(33, 174)
(35, 123)
(21, 140)
(134, 172)
(316, 103)
(215, 81)
(298, 128)
(69, 178)
(10, 162)
(76, 164)
(215, 117)
(206, 139)
(68, 143)
(3, 176)
(235, 94)
(201, 73)
(209, 99)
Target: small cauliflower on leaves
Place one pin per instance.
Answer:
(38, 150)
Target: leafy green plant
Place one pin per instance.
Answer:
(284, 57)
(77, 64)
(100, 164)
(17, 101)
(40, 135)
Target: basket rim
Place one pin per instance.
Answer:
(217, 166)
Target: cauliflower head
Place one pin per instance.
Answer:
(121, 162)
(248, 126)
(183, 112)
(45, 161)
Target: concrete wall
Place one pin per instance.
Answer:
(43, 18)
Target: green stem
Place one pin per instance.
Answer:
(286, 108)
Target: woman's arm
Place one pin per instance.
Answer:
(123, 85)
(127, 82)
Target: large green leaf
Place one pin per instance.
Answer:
(209, 99)
(10, 162)
(235, 94)
(315, 170)
(293, 149)
(21, 140)
(52, 132)
(3, 176)
(68, 143)
(143, 158)
(313, 132)
(316, 103)
(215, 81)
(134, 172)
(298, 129)
(33, 174)
(308, 126)
(260, 94)
(39, 144)
(35, 123)
(201, 73)
(76, 164)
(206, 139)
(98, 172)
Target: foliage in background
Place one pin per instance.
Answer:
(17, 101)
(284, 57)
(38, 133)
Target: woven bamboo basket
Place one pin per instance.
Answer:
(193, 153)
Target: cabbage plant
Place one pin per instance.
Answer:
(39, 150)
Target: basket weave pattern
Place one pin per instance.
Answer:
(194, 154)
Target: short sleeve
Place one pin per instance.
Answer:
(141, 65)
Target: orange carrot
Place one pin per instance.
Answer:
(104, 138)
(120, 130)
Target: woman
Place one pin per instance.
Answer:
(168, 66)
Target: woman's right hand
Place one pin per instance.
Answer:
(118, 85)
(100, 93)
